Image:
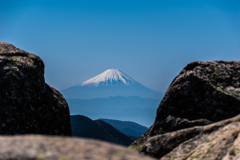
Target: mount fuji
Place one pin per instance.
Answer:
(110, 83)
(110, 77)
(113, 95)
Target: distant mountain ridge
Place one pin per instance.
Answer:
(128, 128)
(83, 126)
(135, 109)
(114, 95)
(112, 82)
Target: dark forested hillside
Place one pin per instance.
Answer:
(83, 126)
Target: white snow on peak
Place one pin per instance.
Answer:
(109, 77)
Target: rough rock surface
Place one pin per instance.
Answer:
(54, 148)
(219, 140)
(202, 93)
(27, 103)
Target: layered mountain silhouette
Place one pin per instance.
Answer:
(112, 82)
(83, 126)
(113, 95)
(131, 129)
(136, 109)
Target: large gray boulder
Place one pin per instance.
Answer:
(217, 141)
(201, 94)
(27, 104)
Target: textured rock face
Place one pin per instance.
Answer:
(201, 94)
(219, 140)
(54, 148)
(27, 103)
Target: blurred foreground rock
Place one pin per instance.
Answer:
(59, 148)
(28, 104)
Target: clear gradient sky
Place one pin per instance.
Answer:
(149, 40)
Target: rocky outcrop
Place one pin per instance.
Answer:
(59, 148)
(28, 104)
(219, 140)
(202, 93)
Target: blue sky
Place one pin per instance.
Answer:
(149, 40)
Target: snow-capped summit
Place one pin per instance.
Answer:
(113, 94)
(110, 83)
(109, 77)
